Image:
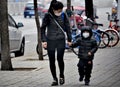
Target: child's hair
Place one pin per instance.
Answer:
(55, 5)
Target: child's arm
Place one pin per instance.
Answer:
(94, 49)
(75, 44)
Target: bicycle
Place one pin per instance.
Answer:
(113, 31)
(102, 38)
(100, 35)
(113, 20)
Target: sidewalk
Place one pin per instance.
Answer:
(30, 72)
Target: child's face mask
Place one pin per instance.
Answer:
(86, 34)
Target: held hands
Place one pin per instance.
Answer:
(44, 44)
(69, 43)
(89, 62)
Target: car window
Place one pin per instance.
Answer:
(29, 5)
(11, 22)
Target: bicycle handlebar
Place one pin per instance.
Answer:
(94, 23)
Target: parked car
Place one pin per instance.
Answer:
(29, 9)
(16, 38)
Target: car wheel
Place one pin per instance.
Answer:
(25, 16)
(30, 16)
(21, 51)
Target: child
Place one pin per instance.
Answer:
(87, 48)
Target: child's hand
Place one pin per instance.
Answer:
(89, 62)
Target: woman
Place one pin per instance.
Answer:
(54, 40)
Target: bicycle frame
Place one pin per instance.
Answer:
(114, 20)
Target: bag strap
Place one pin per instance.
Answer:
(57, 23)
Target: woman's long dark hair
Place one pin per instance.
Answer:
(55, 5)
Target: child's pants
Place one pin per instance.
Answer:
(85, 69)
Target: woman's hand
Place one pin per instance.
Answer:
(69, 43)
(44, 44)
(89, 53)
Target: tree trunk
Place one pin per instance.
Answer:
(68, 4)
(68, 10)
(89, 10)
(4, 36)
(38, 30)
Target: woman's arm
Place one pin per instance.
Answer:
(45, 22)
(67, 28)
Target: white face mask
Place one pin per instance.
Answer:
(86, 35)
(58, 14)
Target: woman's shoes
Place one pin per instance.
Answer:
(61, 81)
(55, 82)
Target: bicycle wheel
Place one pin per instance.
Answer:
(44, 51)
(114, 37)
(74, 39)
(104, 40)
(97, 37)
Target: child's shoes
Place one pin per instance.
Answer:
(87, 82)
(81, 78)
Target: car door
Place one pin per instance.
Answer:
(14, 35)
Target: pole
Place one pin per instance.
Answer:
(89, 10)
(68, 10)
(118, 13)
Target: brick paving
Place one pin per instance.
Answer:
(30, 72)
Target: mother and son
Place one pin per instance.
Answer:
(54, 40)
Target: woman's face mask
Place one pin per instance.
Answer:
(86, 34)
(57, 12)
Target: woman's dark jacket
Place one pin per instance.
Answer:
(53, 30)
(86, 45)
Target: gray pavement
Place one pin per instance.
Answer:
(30, 72)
